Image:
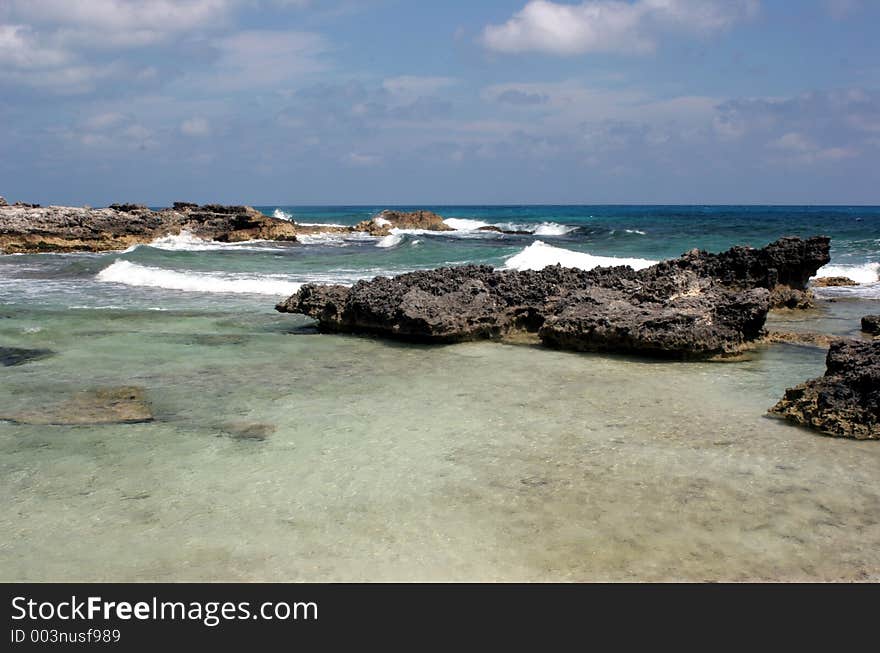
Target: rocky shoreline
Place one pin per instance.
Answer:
(30, 228)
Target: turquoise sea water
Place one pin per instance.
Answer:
(277, 453)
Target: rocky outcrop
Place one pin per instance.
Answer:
(845, 402)
(871, 324)
(601, 310)
(382, 224)
(28, 228)
(783, 267)
(692, 307)
(832, 282)
(3, 201)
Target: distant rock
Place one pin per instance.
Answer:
(845, 402)
(871, 324)
(382, 224)
(832, 282)
(11, 356)
(30, 228)
(3, 201)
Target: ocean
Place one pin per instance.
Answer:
(278, 453)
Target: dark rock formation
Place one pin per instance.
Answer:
(871, 324)
(607, 309)
(3, 201)
(10, 356)
(692, 307)
(382, 224)
(832, 282)
(783, 267)
(845, 402)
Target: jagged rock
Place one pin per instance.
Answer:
(11, 356)
(382, 224)
(3, 201)
(871, 324)
(607, 309)
(25, 228)
(784, 267)
(114, 405)
(845, 402)
(692, 307)
(832, 282)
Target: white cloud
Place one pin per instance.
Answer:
(362, 160)
(137, 16)
(20, 48)
(195, 127)
(610, 25)
(798, 148)
(265, 58)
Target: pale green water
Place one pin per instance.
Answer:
(389, 462)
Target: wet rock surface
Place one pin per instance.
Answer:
(12, 356)
(871, 324)
(700, 305)
(382, 224)
(845, 402)
(832, 282)
(109, 405)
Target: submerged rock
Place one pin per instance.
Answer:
(871, 324)
(845, 402)
(11, 356)
(692, 307)
(832, 282)
(113, 405)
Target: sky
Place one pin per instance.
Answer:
(401, 102)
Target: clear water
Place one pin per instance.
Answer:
(384, 461)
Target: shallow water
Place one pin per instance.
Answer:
(278, 453)
(477, 461)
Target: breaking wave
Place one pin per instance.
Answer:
(539, 255)
(132, 274)
(865, 273)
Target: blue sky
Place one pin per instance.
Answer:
(408, 102)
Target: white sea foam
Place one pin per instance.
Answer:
(132, 274)
(542, 229)
(635, 231)
(539, 255)
(552, 229)
(463, 224)
(187, 242)
(282, 215)
(865, 273)
(391, 240)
